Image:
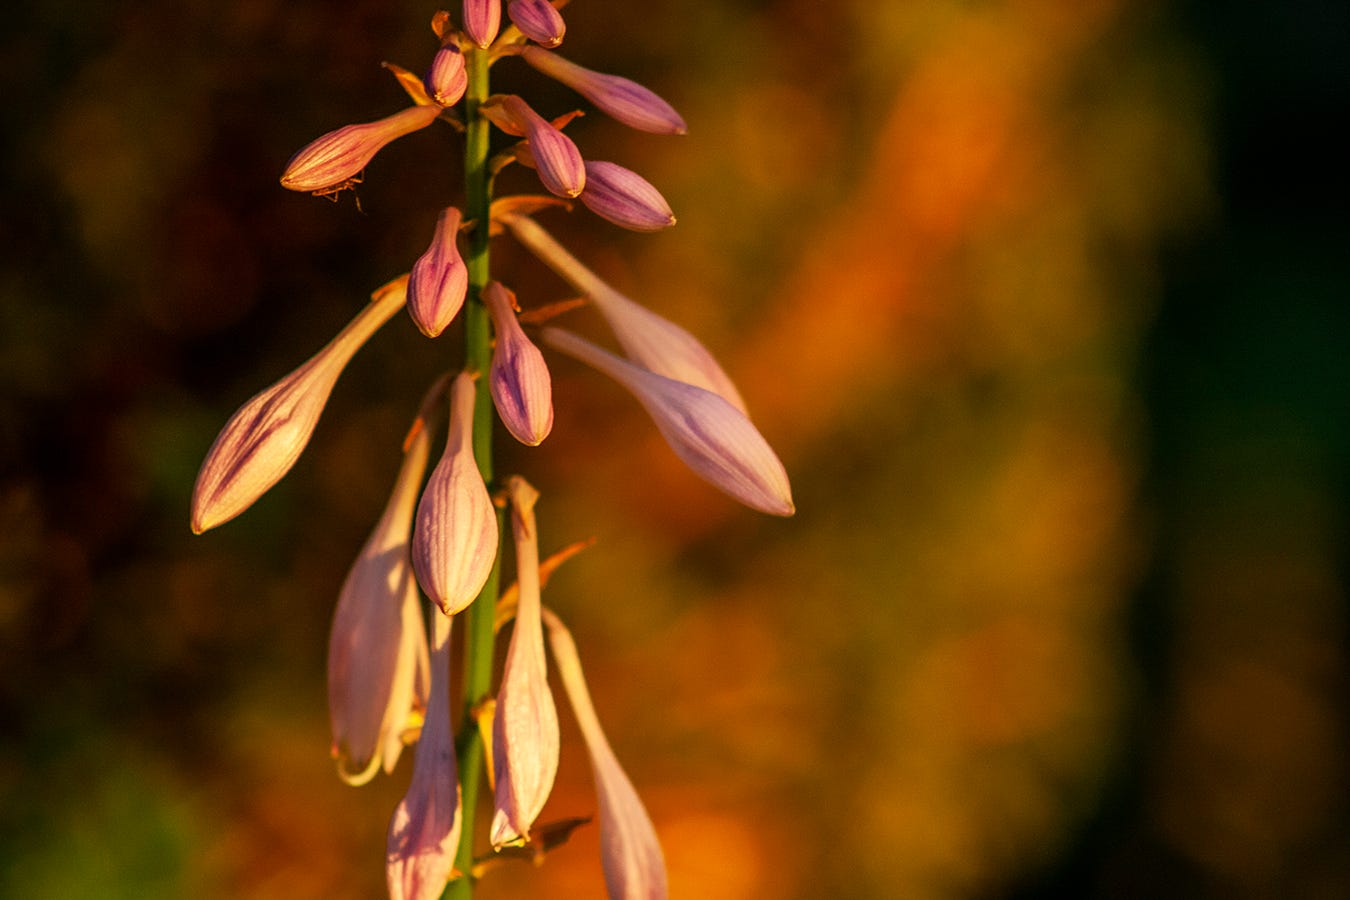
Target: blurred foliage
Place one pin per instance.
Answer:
(1042, 302)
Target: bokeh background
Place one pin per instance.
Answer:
(1043, 304)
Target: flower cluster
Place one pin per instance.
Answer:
(439, 536)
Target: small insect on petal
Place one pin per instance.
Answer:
(625, 101)
(447, 79)
(482, 19)
(625, 198)
(712, 437)
(521, 388)
(339, 156)
(439, 279)
(424, 831)
(377, 653)
(525, 737)
(455, 537)
(538, 20)
(261, 442)
(635, 868)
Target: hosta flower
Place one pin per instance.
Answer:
(447, 79)
(521, 388)
(377, 654)
(631, 854)
(424, 831)
(557, 160)
(455, 538)
(538, 21)
(482, 19)
(525, 726)
(439, 279)
(624, 100)
(713, 438)
(649, 340)
(333, 160)
(625, 198)
(266, 436)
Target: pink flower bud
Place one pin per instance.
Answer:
(538, 20)
(712, 437)
(525, 727)
(634, 866)
(521, 387)
(649, 340)
(266, 436)
(559, 163)
(625, 198)
(377, 654)
(424, 831)
(455, 539)
(339, 156)
(482, 18)
(447, 79)
(626, 101)
(439, 278)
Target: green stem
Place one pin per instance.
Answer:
(478, 637)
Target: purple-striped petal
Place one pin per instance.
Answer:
(482, 19)
(538, 20)
(625, 101)
(558, 161)
(339, 156)
(439, 278)
(447, 78)
(625, 198)
(521, 388)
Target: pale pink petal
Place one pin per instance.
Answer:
(538, 21)
(635, 868)
(338, 156)
(625, 198)
(525, 727)
(713, 438)
(424, 831)
(455, 538)
(521, 387)
(482, 19)
(267, 434)
(447, 78)
(557, 160)
(625, 101)
(439, 279)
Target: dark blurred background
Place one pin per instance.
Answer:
(1043, 304)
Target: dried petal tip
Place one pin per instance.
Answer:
(712, 437)
(447, 79)
(625, 198)
(261, 442)
(455, 538)
(521, 387)
(339, 156)
(624, 100)
(482, 19)
(538, 20)
(439, 278)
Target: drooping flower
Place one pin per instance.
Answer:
(377, 653)
(651, 341)
(455, 536)
(713, 438)
(525, 727)
(625, 198)
(482, 19)
(447, 79)
(557, 160)
(439, 279)
(624, 100)
(521, 388)
(337, 157)
(538, 20)
(266, 436)
(635, 868)
(424, 831)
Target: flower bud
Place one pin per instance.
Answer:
(424, 831)
(439, 278)
(377, 654)
(653, 342)
(631, 854)
(626, 101)
(447, 79)
(525, 738)
(482, 18)
(538, 20)
(559, 163)
(625, 198)
(266, 436)
(521, 388)
(339, 156)
(712, 437)
(455, 538)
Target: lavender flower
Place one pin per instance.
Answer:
(482, 18)
(559, 163)
(447, 78)
(538, 20)
(439, 278)
(625, 198)
(337, 158)
(624, 100)
(521, 388)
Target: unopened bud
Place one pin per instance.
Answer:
(626, 101)
(447, 79)
(339, 156)
(538, 20)
(439, 279)
(625, 198)
(521, 388)
(482, 19)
